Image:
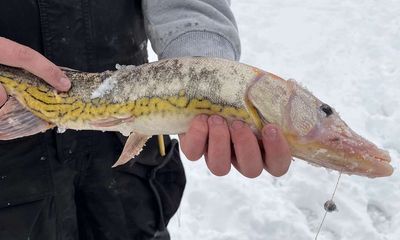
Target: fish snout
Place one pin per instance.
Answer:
(350, 153)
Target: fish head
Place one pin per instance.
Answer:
(315, 131)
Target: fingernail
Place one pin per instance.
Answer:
(237, 125)
(65, 83)
(270, 133)
(217, 120)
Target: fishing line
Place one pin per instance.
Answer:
(329, 206)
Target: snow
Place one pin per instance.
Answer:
(109, 83)
(105, 87)
(348, 54)
(61, 129)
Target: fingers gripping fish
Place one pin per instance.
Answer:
(162, 98)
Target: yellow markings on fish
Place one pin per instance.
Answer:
(179, 101)
(183, 104)
(141, 107)
(60, 108)
(7, 82)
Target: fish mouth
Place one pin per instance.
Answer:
(363, 157)
(344, 151)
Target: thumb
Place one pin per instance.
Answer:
(3, 96)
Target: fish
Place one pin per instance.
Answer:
(163, 97)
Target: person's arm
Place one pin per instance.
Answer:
(178, 28)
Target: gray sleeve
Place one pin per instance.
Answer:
(179, 28)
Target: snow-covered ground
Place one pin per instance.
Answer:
(348, 54)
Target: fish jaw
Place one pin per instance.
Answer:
(332, 144)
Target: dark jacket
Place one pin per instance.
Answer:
(79, 34)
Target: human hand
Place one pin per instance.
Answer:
(212, 137)
(17, 55)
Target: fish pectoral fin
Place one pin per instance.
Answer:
(132, 148)
(16, 121)
(111, 121)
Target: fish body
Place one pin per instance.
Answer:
(164, 96)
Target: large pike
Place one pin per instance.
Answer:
(162, 97)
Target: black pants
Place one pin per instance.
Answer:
(61, 186)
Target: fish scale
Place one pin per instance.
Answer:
(164, 96)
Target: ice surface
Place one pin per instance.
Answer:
(347, 53)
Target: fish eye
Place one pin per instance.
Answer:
(326, 109)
